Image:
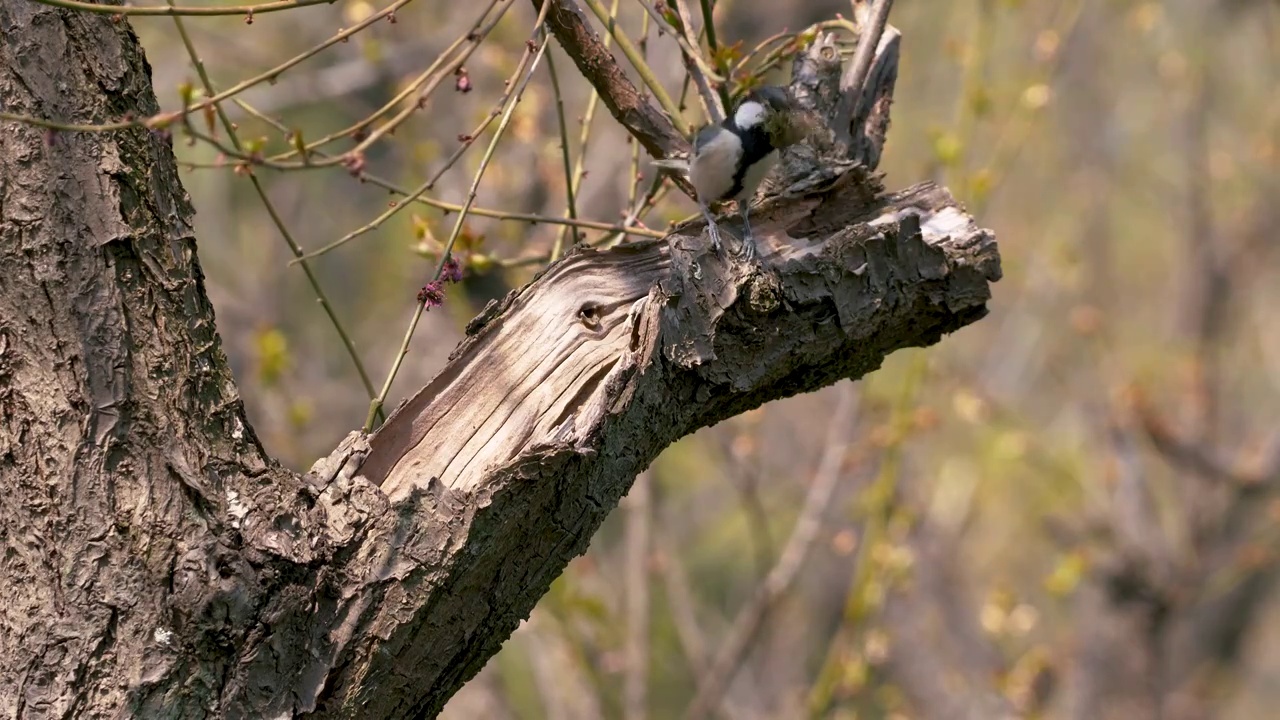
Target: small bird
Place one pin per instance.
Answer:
(732, 158)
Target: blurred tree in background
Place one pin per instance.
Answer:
(1066, 511)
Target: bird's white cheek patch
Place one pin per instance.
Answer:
(749, 114)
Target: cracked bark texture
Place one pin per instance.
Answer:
(158, 563)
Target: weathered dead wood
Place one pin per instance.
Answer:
(504, 465)
(163, 565)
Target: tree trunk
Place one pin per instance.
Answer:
(157, 563)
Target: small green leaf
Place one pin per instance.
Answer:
(726, 56)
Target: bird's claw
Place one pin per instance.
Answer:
(748, 251)
(714, 233)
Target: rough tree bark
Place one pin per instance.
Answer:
(158, 563)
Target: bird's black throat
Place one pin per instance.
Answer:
(756, 146)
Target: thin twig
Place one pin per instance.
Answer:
(721, 104)
(429, 81)
(511, 84)
(570, 207)
(430, 78)
(654, 194)
(353, 157)
(449, 207)
(788, 44)
(271, 210)
(657, 191)
(697, 68)
(633, 180)
(166, 119)
(746, 626)
(175, 11)
(709, 29)
(683, 35)
(529, 59)
(579, 167)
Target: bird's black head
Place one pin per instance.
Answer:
(773, 97)
(772, 109)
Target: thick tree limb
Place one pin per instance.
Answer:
(158, 563)
(502, 467)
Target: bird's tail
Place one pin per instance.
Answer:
(678, 164)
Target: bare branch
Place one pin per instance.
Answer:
(180, 11)
(646, 123)
(697, 67)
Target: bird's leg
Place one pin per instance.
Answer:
(712, 229)
(748, 240)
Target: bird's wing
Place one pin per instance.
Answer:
(705, 136)
(679, 164)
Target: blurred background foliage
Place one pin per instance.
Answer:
(1066, 510)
